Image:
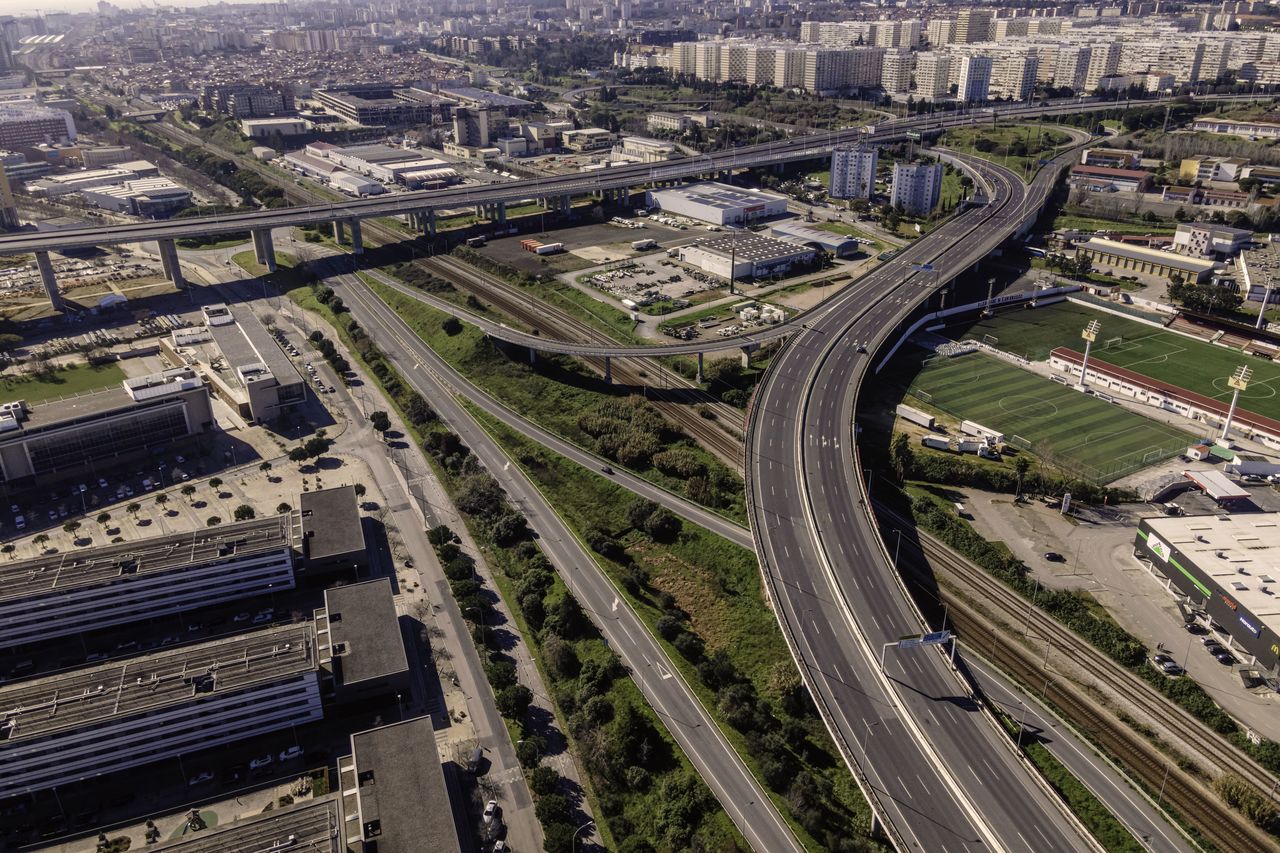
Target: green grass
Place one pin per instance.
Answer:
(61, 382)
(1166, 356)
(1076, 431)
(718, 584)
(1040, 142)
(1128, 225)
(553, 393)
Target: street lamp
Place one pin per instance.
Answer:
(578, 830)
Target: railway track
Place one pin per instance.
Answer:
(1226, 828)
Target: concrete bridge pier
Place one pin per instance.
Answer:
(339, 233)
(500, 212)
(700, 375)
(430, 226)
(608, 370)
(533, 355)
(566, 205)
(747, 349)
(264, 249)
(49, 280)
(357, 237)
(169, 262)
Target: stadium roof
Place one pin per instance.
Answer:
(1142, 253)
(90, 696)
(96, 566)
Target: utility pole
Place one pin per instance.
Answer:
(1238, 382)
(991, 286)
(1090, 334)
(1262, 312)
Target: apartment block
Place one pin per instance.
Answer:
(853, 171)
(917, 187)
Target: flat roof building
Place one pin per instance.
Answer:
(395, 798)
(1206, 240)
(840, 245)
(61, 439)
(1227, 565)
(332, 535)
(717, 203)
(360, 641)
(101, 719)
(244, 364)
(385, 105)
(1144, 263)
(88, 589)
(308, 825)
(747, 255)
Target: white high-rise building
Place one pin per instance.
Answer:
(853, 171)
(916, 187)
(973, 79)
(933, 75)
(762, 62)
(1071, 67)
(1013, 75)
(706, 63)
(895, 72)
(1104, 59)
(941, 32)
(898, 33)
(788, 67)
(684, 57)
(973, 25)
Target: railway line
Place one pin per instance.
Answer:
(1188, 795)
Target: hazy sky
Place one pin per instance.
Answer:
(31, 7)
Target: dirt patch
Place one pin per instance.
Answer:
(694, 589)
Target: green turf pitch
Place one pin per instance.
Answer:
(1170, 357)
(1082, 434)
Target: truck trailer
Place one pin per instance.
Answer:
(907, 413)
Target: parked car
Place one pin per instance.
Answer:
(290, 754)
(1166, 664)
(1195, 628)
(1054, 557)
(490, 811)
(200, 779)
(261, 763)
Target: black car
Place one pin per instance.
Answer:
(1224, 657)
(1054, 557)
(1195, 628)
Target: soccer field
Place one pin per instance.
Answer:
(1095, 440)
(1170, 357)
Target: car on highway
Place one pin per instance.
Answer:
(1166, 664)
(605, 469)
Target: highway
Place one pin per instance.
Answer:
(616, 177)
(737, 790)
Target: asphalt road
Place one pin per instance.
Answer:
(657, 677)
(945, 777)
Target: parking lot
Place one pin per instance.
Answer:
(585, 246)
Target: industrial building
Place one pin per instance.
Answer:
(1146, 264)
(62, 439)
(1206, 240)
(638, 149)
(358, 633)
(1225, 565)
(87, 589)
(747, 255)
(853, 171)
(264, 128)
(718, 204)
(1104, 179)
(102, 719)
(243, 363)
(395, 796)
(154, 198)
(27, 123)
(384, 105)
(916, 188)
(839, 245)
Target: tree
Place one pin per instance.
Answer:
(480, 495)
(244, 512)
(213, 521)
(264, 467)
(133, 508)
(560, 657)
(298, 454)
(282, 508)
(662, 525)
(188, 490)
(513, 701)
(451, 326)
(638, 512)
(8, 548)
(40, 538)
(552, 808)
(71, 527)
(1021, 466)
(360, 490)
(215, 483)
(161, 500)
(103, 518)
(900, 454)
(558, 838)
(544, 780)
(381, 421)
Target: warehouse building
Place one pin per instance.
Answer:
(718, 204)
(1227, 566)
(87, 589)
(747, 255)
(839, 245)
(1145, 264)
(395, 796)
(264, 128)
(63, 439)
(101, 719)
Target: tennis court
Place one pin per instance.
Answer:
(1093, 439)
(1167, 356)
